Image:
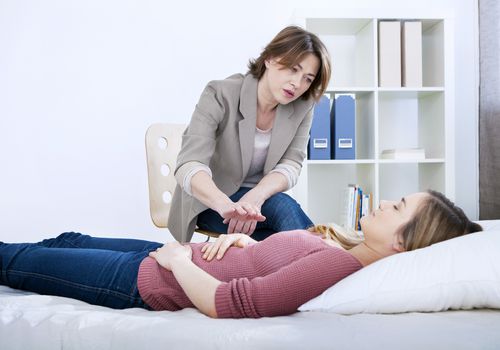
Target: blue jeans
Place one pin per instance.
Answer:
(99, 271)
(282, 213)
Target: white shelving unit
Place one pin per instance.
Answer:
(386, 118)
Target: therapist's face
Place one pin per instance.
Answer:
(286, 84)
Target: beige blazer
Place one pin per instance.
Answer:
(221, 135)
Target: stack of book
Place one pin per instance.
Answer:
(356, 204)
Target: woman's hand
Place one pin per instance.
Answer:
(222, 243)
(166, 254)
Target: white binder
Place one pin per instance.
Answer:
(389, 54)
(412, 54)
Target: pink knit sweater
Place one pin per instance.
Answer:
(271, 278)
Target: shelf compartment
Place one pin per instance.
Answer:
(325, 202)
(412, 119)
(351, 43)
(398, 180)
(433, 52)
(365, 122)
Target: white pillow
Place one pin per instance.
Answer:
(461, 273)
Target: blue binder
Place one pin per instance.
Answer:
(320, 140)
(343, 119)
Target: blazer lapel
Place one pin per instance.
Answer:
(248, 109)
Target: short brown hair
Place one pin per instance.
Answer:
(291, 45)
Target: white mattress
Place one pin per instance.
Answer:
(31, 321)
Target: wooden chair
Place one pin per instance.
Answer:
(163, 143)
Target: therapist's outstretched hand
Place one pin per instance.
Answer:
(246, 225)
(241, 216)
(252, 202)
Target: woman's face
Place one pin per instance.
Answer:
(382, 225)
(288, 84)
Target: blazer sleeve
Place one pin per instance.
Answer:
(297, 150)
(199, 138)
(283, 291)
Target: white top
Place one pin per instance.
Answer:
(260, 149)
(255, 172)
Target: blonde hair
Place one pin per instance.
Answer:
(437, 219)
(291, 45)
(346, 237)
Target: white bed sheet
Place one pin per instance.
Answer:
(31, 321)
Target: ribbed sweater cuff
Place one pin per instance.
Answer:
(223, 301)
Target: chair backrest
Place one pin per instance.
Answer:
(163, 143)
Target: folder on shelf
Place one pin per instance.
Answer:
(411, 54)
(343, 119)
(389, 54)
(320, 140)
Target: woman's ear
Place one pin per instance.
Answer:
(398, 243)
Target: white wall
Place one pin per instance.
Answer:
(80, 81)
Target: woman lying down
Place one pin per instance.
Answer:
(234, 276)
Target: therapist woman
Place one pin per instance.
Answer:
(246, 142)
